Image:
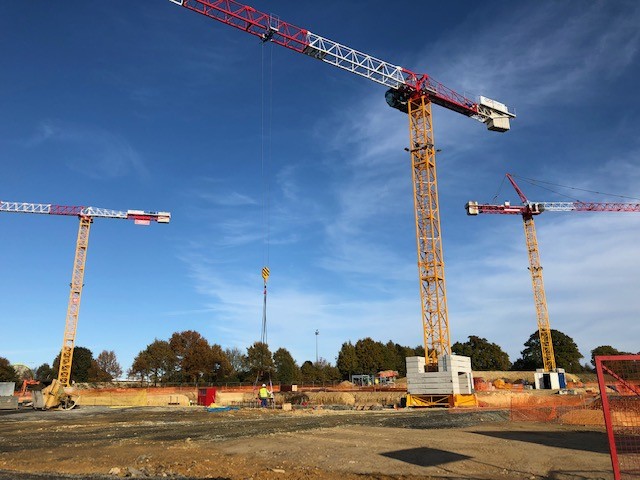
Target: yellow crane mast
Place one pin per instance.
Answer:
(433, 292)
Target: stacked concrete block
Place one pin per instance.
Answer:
(7, 400)
(453, 376)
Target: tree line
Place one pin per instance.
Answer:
(188, 357)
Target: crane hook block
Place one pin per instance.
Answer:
(265, 273)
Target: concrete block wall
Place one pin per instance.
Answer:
(453, 376)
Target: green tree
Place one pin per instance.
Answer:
(347, 362)
(260, 361)
(325, 372)
(404, 352)
(370, 355)
(392, 359)
(309, 372)
(604, 350)
(287, 370)
(484, 354)
(564, 347)
(81, 363)
(7, 372)
(45, 373)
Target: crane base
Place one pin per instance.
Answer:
(449, 401)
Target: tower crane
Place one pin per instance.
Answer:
(528, 210)
(55, 395)
(408, 92)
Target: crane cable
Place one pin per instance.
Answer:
(265, 145)
(541, 184)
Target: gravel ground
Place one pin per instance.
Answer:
(169, 442)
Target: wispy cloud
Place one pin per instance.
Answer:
(296, 307)
(590, 274)
(361, 276)
(554, 46)
(93, 151)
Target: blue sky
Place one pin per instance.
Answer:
(130, 105)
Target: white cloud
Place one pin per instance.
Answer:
(296, 308)
(93, 151)
(591, 264)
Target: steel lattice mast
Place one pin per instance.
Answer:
(86, 216)
(528, 210)
(408, 92)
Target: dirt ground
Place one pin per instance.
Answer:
(189, 442)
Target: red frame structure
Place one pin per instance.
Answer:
(619, 382)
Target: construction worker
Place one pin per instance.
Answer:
(264, 395)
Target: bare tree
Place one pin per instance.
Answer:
(108, 362)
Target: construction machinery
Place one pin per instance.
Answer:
(57, 394)
(408, 92)
(528, 210)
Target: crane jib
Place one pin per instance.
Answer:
(270, 28)
(140, 216)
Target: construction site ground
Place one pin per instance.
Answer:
(98, 442)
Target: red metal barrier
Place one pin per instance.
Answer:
(619, 381)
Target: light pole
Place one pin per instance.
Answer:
(317, 333)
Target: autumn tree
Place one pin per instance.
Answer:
(193, 353)
(565, 351)
(221, 368)
(7, 372)
(286, 368)
(108, 363)
(157, 362)
(238, 361)
(484, 354)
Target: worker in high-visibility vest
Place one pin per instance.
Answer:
(264, 395)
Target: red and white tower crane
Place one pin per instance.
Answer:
(408, 92)
(54, 395)
(528, 210)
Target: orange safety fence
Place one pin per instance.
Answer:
(563, 409)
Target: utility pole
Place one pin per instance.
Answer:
(317, 333)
